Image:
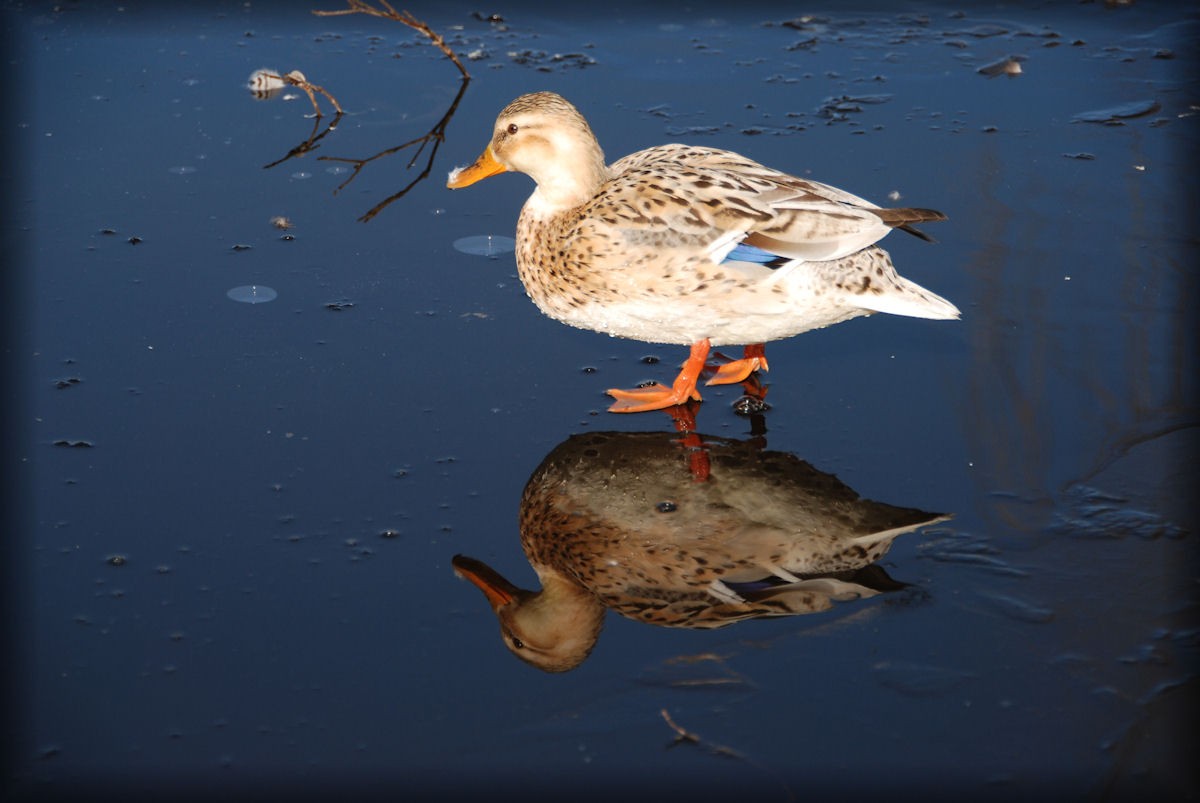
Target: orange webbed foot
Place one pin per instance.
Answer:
(650, 397)
(754, 359)
(659, 397)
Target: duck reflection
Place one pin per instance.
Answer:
(698, 532)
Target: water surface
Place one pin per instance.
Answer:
(234, 526)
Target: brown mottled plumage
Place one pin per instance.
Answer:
(617, 521)
(689, 245)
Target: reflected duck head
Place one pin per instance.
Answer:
(553, 629)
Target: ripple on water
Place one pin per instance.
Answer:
(947, 546)
(485, 245)
(253, 294)
(1016, 608)
(1091, 513)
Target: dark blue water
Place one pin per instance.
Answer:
(233, 523)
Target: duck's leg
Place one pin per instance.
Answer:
(754, 358)
(658, 397)
(684, 418)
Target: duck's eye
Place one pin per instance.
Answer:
(512, 129)
(516, 642)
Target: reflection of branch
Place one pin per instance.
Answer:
(387, 12)
(436, 135)
(684, 736)
(266, 78)
(310, 143)
(296, 79)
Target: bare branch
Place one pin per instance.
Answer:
(296, 78)
(681, 735)
(310, 88)
(387, 12)
(309, 144)
(436, 136)
(684, 736)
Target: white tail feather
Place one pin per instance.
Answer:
(909, 299)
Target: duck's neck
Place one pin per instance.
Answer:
(569, 182)
(564, 614)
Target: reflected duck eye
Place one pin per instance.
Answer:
(516, 642)
(512, 128)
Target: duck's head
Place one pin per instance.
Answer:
(553, 629)
(545, 137)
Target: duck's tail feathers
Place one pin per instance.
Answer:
(911, 299)
(903, 219)
(912, 520)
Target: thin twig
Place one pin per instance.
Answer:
(436, 135)
(310, 88)
(296, 78)
(685, 736)
(309, 144)
(681, 735)
(387, 12)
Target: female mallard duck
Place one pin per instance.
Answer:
(618, 521)
(689, 245)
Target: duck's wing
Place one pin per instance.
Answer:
(710, 199)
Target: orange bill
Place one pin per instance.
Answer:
(498, 591)
(486, 165)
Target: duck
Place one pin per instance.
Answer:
(688, 245)
(618, 521)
